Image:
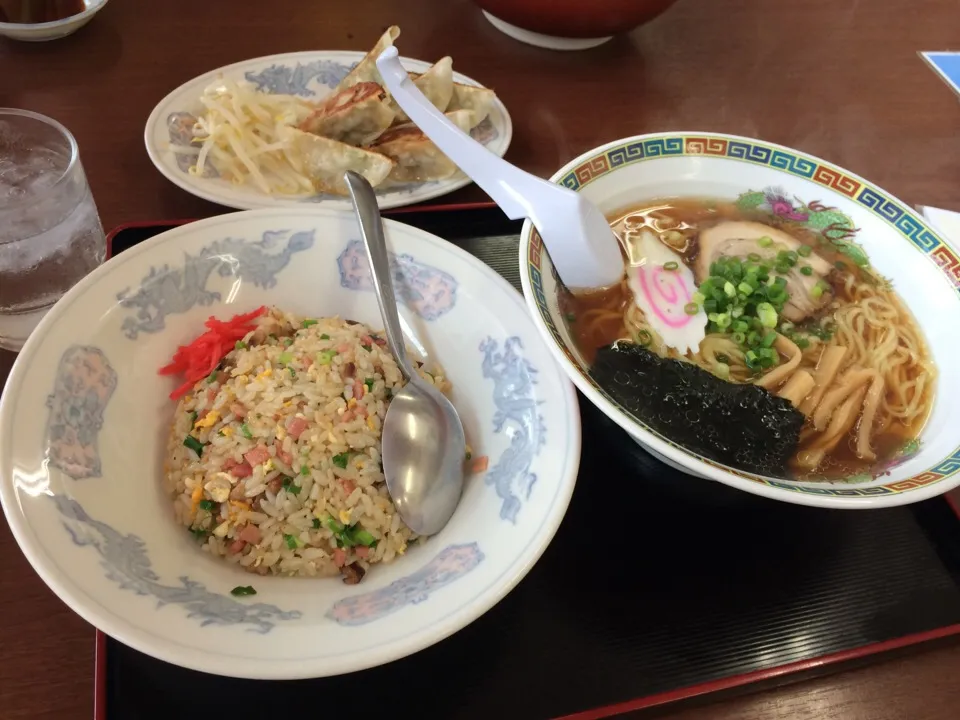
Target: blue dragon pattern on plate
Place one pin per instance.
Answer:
(125, 559)
(169, 291)
(296, 79)
(518, 416)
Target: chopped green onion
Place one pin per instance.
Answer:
(804, 251)
(308, 323)
(239, 345)
(290, 486)
(361, 536)
(341, 460)
(791, 257)
(369, 383)
(193, 417)
(840, 265)
(292, 541)
(698, 298)
(285, 358)
(207, 505)
(570, 317)
(801, 342)
(368, 348)
(691, 308)
(671, 266)
(767, 315)
(769, 339)
(740, 326)
(751, 359)
(710, 305)
(730, 289)
(739, 338)
(304, 470)
(245, 431)
(806, 270)
(816, 291)
(644, 338)
(199, 533)
(212, 376)
(332, 525)
(777, 295)
(782, 268)
(341, 533)
(287, 341)
(324, 337)
(753, 257)
(765, 241)
(745, 288)
(325, 356)
(191, 442)
(723, 320)
(786, 326)
(316, 523)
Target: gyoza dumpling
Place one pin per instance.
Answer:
(366, 69)
(325, 161)
(436, 83)
(417, 158)
(356, 115)
(478, 100)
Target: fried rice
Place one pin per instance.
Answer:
(273, 462)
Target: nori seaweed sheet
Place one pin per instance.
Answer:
(742, 426)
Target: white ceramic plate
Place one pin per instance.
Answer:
(311, 75)
(923, 267)
(80, 466)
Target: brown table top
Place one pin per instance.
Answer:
(837, 79)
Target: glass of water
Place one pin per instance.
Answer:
(50, 233)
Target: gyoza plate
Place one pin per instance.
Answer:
(310, 75)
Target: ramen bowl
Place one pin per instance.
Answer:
(82, 466)
(922, 266)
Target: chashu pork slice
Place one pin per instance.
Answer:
(737, 238)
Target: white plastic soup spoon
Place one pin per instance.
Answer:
(581, 244)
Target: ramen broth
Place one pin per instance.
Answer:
(598, 319)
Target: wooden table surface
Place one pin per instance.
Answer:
(837, 79)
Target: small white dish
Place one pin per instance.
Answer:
(923, 266)
(93, 520)
(310, 75)
(41, 32)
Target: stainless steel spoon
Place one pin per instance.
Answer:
(423, 446)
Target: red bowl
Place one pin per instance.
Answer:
(576, 18)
